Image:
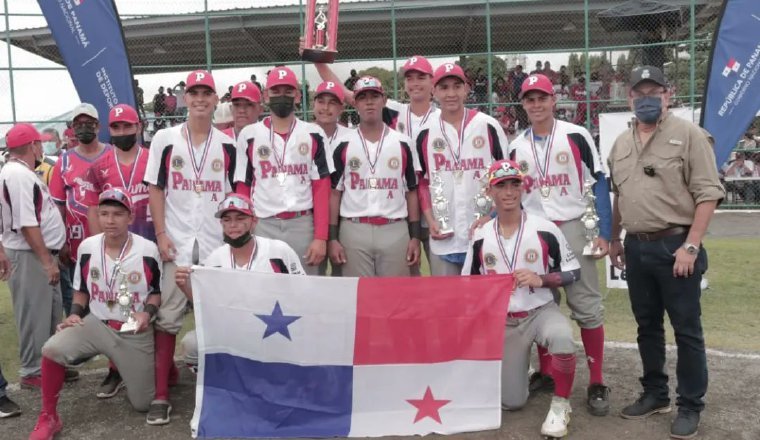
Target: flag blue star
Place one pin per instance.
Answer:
(277, 322)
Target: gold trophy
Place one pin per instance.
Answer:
(590, 219)
(126, 301)
(440, 204)
(483, 202)
(321, 39)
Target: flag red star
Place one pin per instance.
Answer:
(428, 406)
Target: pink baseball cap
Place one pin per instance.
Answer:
(418, 63)
(235, 202)
(281, 76)
(330, 88)
(199, 78)
(537, 82)
(367, 83)
(123, 113)
(118, 195)
(23, 134)
(504, 170)
(246, 90)
(446, 70)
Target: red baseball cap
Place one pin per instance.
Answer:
(23, 134)
(235, 202)
(118, 195)
(123, 113)
(330, 88)
(504, 170)
(446, 70)
(537, 82)
(281, 76)
(418, 63)
(200, 78)
(246, 90)
(367, 83)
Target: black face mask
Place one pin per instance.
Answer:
(85, 134)
(282, 106)
(238, 242)
(124, 142)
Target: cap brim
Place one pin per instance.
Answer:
(247, 98)
(416, 69)
(200, 85)
(651, 80)
(493, 182)
(460, 78)
(369, 89)
(219, 214)
(523, 93)
(326, 92)
(115, 201)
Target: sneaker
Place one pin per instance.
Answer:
(645, 406)
(598, 400)
(47, 427)
(685, 424)
(540, 382)
(8, 408)
(71, 375)
(111, 385)
(31, 382)
(159, 412)
(555, 424)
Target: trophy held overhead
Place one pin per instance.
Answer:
(321, 39)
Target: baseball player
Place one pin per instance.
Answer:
(374, 210)
(284, 168)
(68, 184)
(246, 107)
(557, 157)
(455, 147)
(242, 251)
(109, 264)
(190, 169)
(535, 251)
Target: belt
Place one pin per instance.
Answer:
(518, 315)
(377, 221)
(114, 324)
(659, 235)
(292, 214)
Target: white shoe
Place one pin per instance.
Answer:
(557, 419)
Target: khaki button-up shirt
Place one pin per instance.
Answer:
(681, 155)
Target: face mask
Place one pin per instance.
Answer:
(85, 135)
(647, 109)
(238, 242)
(282, 106)
(124, 142)
(49, 148)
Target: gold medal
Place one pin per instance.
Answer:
(545, 191)
(281, 178)
(458, 175)
(110, 303)
(372, 183)
(198, 188)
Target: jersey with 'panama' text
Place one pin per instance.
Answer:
(269, 256)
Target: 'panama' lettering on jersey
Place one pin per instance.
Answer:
(180, 182)
(268, 170)
(357, 182)
(444, 164)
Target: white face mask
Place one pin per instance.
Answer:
(49, 148)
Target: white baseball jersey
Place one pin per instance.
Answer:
(26, 202)
(374, 176)
(269, 256)
(407, 122)
(461, 162)
(560, 162)
(280, 170)
(538, 246)
(195, 180)
(334, 140)
(98, 275)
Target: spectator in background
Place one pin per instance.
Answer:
(159, 109)
(223, 116)
(738, 168)
(507, 118)
(69, 139)
(179, 92)
(51, 143)
(227, 96)
(350, 114)
(501, 89)
(351, 81)
(258, 84)
(747, 142)
(578, 94)
(517, 76)
(481, 87)
(551, 74)
(170, 105)
(564, 78)
(140, 96)
(539, 68)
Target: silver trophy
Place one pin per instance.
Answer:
(440, 204)
(483, 202)
(126, 301)
(590, 219)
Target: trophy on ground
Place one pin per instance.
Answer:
(590, 219)
(126, 301)
(440, 204)
(483, 202)
(321, 39)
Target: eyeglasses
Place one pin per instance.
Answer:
(87, 124)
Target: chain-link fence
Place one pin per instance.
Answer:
(587, 48)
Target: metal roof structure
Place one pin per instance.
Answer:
(269, 35)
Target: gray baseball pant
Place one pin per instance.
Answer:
(374, 250)
(297, 232)
(583, 296)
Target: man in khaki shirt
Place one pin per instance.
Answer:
(666, 185)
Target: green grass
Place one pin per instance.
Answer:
(729, 306)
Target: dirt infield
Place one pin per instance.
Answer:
(733, 405)
(735, 224)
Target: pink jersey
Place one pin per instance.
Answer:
(68, 186)
(107, 172)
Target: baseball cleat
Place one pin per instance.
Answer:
(555, 424)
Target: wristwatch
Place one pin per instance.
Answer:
(691, 249)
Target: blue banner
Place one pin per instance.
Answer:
(89, 37)
(732, 90)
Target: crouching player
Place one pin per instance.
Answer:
(536, 252)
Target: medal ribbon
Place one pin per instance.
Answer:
(196, 168)
(543, 170)
(250, 259)
(281, 160)
(366, 149)
(110, 281)
(125, 184)
(460, 139)
(409, 120)
(511, 263)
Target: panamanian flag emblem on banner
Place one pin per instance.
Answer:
(299, 356)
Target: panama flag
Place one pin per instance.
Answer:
(732, 66)
(299, 356)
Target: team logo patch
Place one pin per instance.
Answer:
(439, 144)
(354, 163)
(217, 165)
(523, 166)
(562, 158)
(531, 256)
(134, 277)
(478, 142)
(264, 152)
(303, 148)
(178, 163)
(400, 126)
(293, 268)
(94, 274)
(490, 260)
(394, 163)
